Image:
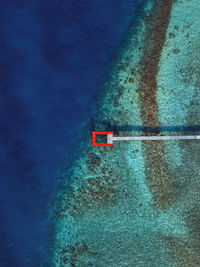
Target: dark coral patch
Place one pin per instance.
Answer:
(185, 252)
(131, 80)
(92, 194)
(176, 51)
(158, 176)
(171, 35)
(94, 161)
(192, 218)
(157, 172)
(76, 254)
(116, 104)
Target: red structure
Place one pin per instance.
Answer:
(99, 144)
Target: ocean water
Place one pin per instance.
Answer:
(137, 203)
(55, 56)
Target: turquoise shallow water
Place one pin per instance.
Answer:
(137, 203)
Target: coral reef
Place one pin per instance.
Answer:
(136, 203)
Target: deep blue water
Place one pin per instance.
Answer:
(54, 58)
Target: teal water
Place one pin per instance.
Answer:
(137, 203)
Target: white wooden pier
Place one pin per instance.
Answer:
(111, 138)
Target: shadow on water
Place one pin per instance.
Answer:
(108, 126)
